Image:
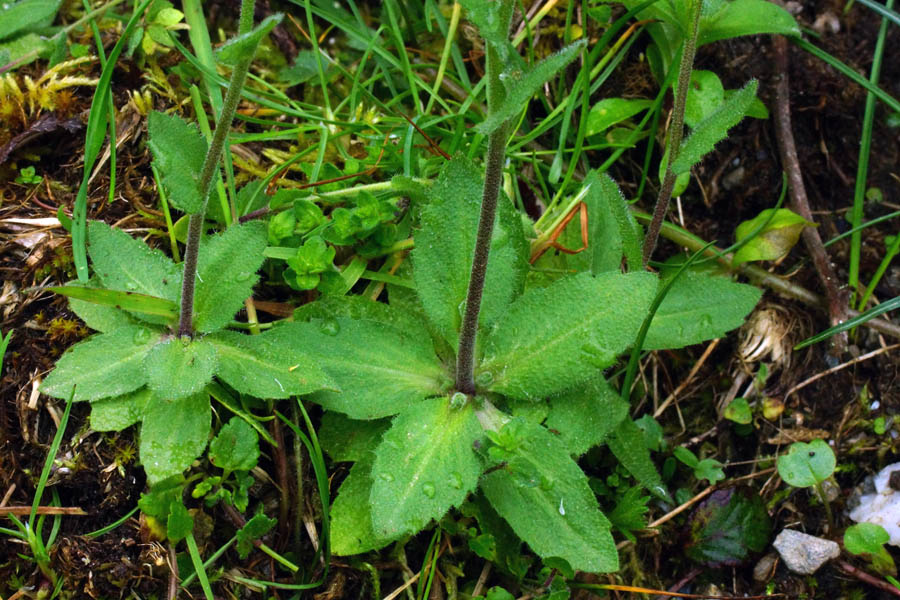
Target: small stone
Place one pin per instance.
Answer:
(803, 553)
(764, 569)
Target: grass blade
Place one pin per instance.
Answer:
(882, 308)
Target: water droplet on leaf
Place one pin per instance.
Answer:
(546, 483)
(243, 276)
(562, 509)
(458, 400)
(130, 285)
(330, 327)
(485, 378)
(386, 476)
(141, 336)
(456, 481)
(428, 490)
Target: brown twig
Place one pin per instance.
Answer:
(71, 511)
(836, 299)
(839, 367)
(866, 578)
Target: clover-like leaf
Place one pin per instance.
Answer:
(806, 465)
(312, 258)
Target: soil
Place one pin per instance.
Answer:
(97, 472)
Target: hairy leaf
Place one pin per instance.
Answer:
(360, 307)
(173, 434)
(705, 95)
(553, 338)
(126, 264)
(244, 46)
(235, 447)
(102, 366)
(379, 370)
(520, 86)
(269, 365)
(177, 368)
(584, 415)
(351, 517)
(178, 151)
(226, 273)
(25, 14)
(627, 443)
(446, 244)
(545, 497)
(714, 128)
(699, 307)
(424, 465)
(492, 20)
(347, 440)
(99, 317)
(613, 229)
(121, 412)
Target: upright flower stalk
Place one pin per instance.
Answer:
(209, 171)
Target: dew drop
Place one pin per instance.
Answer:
(706, 321)
(461, 308)
(130, 285)
(456, 481)
(485, 378)
(386, 476)
(458, 400)
(562, 509)
(243, 276)
(142, 336)
(546, 483)
(428, 490)
(330, 327)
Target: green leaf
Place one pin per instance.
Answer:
(545, 497)
(546, 342)
(348, 440)
(424, 465)
(105, 307)
(446, 244)
(521, 86)
(102, 366)
(728, 527)
(868, 539)
(30, 45)
(25, 15)
(243, 47)
(254, 529)
(806, 465)
(379, 369)
(126, 264)
(178, 151)
(226, 273)
(312, 258)
(746, 17)
(360, 307)
(497, 543)
(699, 307)
(613, 229)
(179, 523)
(351, 517)
(180, 367)
(628, 444)
(168, 16)
(305, 67)
(705, 95)
(714, 128)
(585, 415)
(235, 447)
(121, 412)
(738, 411)
(173, 434)
(775, 232)
(630, 513)
(610, 111)
(269, 365)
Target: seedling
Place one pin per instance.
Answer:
(27, 176)
(491, 385)
(808, 465)
(868, 540)
(708, 469)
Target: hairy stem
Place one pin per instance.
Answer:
(676, 132)
(208, 172)
(465, 355)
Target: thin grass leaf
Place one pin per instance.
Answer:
(96, 133)
(870, 314)
(131, 301)
(884, 11)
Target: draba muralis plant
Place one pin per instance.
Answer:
(484, 388)
(163, 328)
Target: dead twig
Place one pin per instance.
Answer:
(836, 299)
(866, 578)
(839, 367)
